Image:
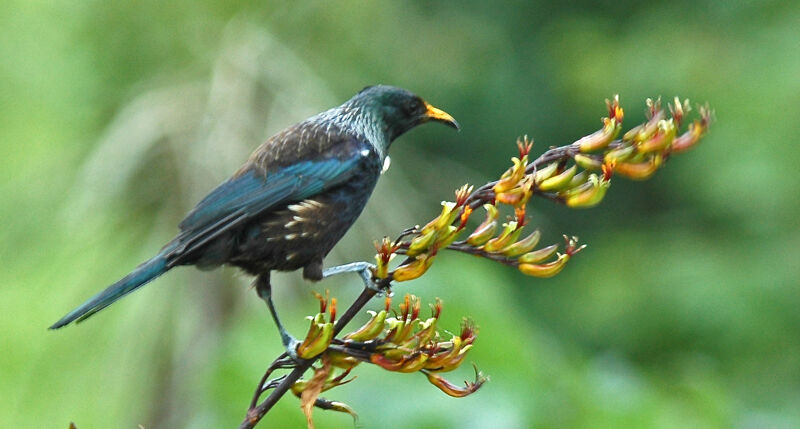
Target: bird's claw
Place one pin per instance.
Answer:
(290, 343)
(377, 288)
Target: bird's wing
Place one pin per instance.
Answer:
(252, 192)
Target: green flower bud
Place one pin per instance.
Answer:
(371, 329)
(546, 172)
(538, 255)
(422, 242)
(588, 162)
(619, 154)
(559, 181)
(589, 194)
(523, 246)
(507, 237)
(545, 270)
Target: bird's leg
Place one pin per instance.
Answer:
(364, 270)
(264, 290)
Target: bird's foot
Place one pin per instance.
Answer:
(290, 343)
(363, 269)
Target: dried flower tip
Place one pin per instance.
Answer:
(462, 194)
(608, 170)
(614, 110)
(706, 114)
(679, 110)
(417, 304)
(572, 245)
(466, 212)
(436, 309)
(653, 107)
(524, 145)
(519, 216)
(314, 387)
(469, 331)
(697, 130)
(386, 249)
(323, 300)
(405, 306)
(325, 404)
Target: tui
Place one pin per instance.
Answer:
(291, 202)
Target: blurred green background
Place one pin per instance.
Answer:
(115, 117)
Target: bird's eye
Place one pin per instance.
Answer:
(415, 106)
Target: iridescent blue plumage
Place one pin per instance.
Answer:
(292, 201)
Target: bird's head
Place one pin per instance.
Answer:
(396, 110)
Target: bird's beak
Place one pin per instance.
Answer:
(439, 115)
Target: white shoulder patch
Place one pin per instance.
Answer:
(387, 162)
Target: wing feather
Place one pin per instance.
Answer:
(251, 193)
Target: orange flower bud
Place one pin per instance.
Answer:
(601, 138)
(639, 170)
(413, 269)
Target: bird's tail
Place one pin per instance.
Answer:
(137, 278)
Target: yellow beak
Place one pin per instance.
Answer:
(439, 115)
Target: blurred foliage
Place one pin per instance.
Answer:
(116, 116)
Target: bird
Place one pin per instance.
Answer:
(291, 201)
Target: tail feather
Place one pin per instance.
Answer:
(137, 278)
